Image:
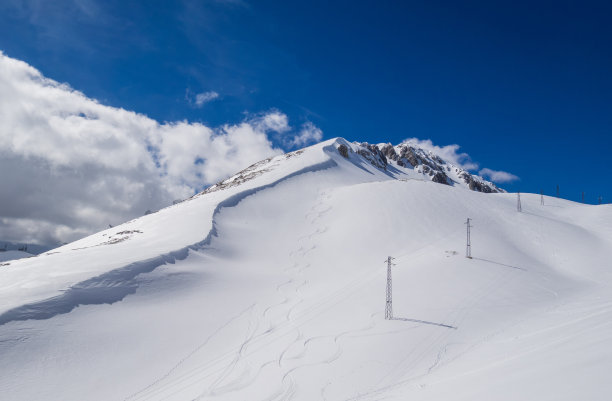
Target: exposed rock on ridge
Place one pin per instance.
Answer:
(410, 156)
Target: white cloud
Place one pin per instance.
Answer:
(71, 166)
(199, 99)
(498, 176)
(273, 121)
(449, 153)
(205, 97)
(308, 134)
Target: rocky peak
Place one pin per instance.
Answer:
(373, 154)
(410, 157)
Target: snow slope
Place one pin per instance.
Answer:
(13, 255)
(271, 285)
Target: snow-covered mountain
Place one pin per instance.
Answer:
(404, 161)
(271, 285)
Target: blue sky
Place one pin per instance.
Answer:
(523, 87)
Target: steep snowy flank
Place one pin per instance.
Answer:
(137, 246)
(270, 285)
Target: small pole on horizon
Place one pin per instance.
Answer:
(600, 199)
(468, 246)
(557, 190)
(582, 196)
(389, 304)
(518, 202)
(542, 198)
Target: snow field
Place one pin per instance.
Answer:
(286, 301)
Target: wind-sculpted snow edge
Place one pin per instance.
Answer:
(113, 286)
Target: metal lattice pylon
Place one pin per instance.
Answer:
(389, 304)
(468, 246)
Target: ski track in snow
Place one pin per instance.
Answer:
(288, 386)
(244, 379)
(115, 285)
(192, 353)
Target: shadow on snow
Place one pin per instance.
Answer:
(424, 322)
(115, 285)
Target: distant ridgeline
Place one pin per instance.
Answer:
(34, 249)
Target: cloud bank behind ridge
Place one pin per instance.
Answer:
(71, 166)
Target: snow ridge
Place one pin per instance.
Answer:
(404, 161)
(116, 284)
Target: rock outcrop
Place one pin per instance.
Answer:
(424, 162)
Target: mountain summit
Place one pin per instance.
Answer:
(404, 161)
(410, 159)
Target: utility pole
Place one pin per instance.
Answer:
(600, 199)
(542, 198)
(389, 305)
(518, 202)
(557, 190)
(583, 197)
(468, 247)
